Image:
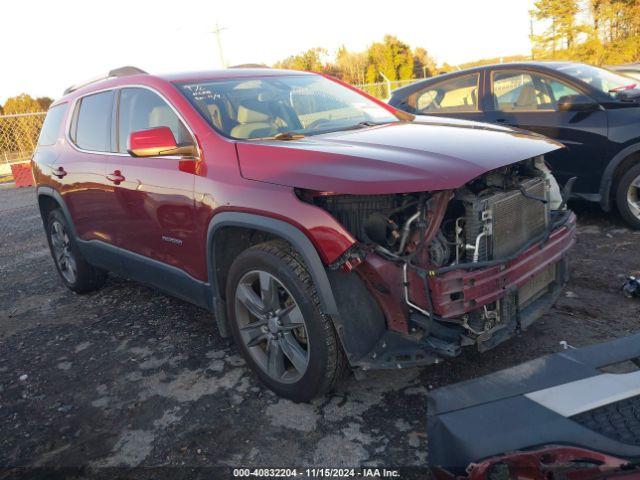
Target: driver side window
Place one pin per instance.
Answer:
(459, 94)
(527, 91)
(141, 109)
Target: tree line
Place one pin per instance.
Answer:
(600, 32)
(390, 59)
(25, 103)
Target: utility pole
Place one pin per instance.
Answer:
(388, 82)
(217, 31)
(531, 37)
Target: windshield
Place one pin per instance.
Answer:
(287, 105)
(604, 80)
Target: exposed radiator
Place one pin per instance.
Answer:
(514, 220)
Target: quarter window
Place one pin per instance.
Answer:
(51, 125)
(91, 127)
(459, 94)
(526, 91)
(142, 109)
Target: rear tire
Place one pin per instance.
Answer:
(77, 275)
(297, 355)
(628, 197)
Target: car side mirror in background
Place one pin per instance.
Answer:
(577, 103)
(630, 95)
(157, 142)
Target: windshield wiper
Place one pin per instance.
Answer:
(288, 136)
(368, 123)
(363, 124)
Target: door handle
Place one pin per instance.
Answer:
(58, 172)
(116, 177)
(504, 121)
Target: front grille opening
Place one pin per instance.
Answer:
(455, 296)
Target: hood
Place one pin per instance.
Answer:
(424, 155)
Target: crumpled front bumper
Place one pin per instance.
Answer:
(460, 291)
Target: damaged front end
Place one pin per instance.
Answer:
(451, 268)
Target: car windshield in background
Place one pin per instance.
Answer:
(604, 80)
(283, 106)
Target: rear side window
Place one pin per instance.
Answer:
(52, 124)
(141, 109)
(91, 126)
(459, 94)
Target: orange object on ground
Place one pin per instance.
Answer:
(22, 175)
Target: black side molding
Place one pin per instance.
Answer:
(148, 271)
(281, 229)
(46, 191)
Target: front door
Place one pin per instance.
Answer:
(152, 200)
(529, 100)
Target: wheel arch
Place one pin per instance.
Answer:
(357, 335)
(49, 199)
(226, 225)
(616, 167)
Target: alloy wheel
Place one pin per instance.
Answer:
(633, 197)
(62, 253)
(272, 326)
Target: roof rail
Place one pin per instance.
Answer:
(116, 72)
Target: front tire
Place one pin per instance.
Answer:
(77, 275)
(628, 197)
(276, 321)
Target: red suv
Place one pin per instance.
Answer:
(322, 227)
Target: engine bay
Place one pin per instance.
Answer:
(486, 219)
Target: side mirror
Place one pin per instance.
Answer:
(630, 95)
(157, 142)
(577, 103)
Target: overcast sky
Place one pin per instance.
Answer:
(48, 45)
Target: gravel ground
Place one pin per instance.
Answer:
(129, 377)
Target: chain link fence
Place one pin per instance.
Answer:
(382, 90)
(18, 139)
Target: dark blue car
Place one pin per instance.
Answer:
(594, 112)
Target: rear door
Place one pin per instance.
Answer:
(152, 200)
(81, 169)
(458, 97)
(529, 100)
